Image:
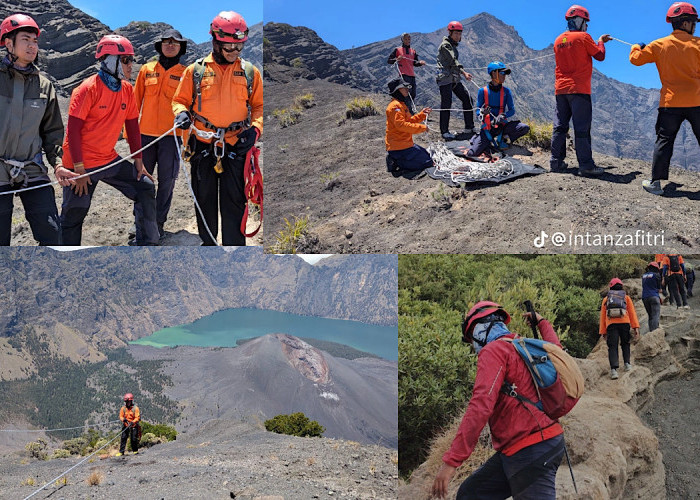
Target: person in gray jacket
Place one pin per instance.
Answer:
(30, 121)
(449, 80)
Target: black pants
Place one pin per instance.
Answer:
(164, 153)
(446, 103)
(134, 433)
(219, 192)
(619, 331)
(39, 209)
(676, 286)
(668, 123)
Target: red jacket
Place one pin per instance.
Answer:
(513, 426)
(573, 51)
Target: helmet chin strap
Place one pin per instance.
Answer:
(111, 65)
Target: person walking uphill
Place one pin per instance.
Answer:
(651, 290)
(677, 59)
(130, 417)
(402, 154)
(222, 94)
(30, 121)
(449, 80)
(617, 318)
(573, 52)
(155, 87)
(99, 108)
(407, 59)
(674, 273)
(529, 444)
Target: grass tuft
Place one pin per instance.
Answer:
(540, 135)
(95, 478)
(360, 107)
(290, 237)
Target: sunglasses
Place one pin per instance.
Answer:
(170, 42)
(238, 35)
(127, 59)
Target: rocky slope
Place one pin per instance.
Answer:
(624, 115)
(221, 459)
(103, 297)
(365, 209)
(614, 455)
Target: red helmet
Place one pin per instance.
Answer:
(229, 27)
(577, 11)
(615, 281)
(128, 397)
(653, 264)
(114, 45)
(478, 311)
(679, 9)
(455, 26)
(15, 22)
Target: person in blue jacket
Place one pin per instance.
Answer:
(651, 288)
(494, 106)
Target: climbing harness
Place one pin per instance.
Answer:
(487, 115)
(460, 170)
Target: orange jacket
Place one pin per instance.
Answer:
(677, 59)
(154, 91)
(629, 317)
(132, 415)
(667, 262)
(573, 51)
(400, 126)
(224, 96)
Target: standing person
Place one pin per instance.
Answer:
(30, 121)
(402, 154)
(99, 108)
(130, 417)
(689, 278)
(651, 290)
(573, 51)
(529, 445)
(226, 99)
(496, 102)
(449, 80)
(674, 272)
(407, 59)
(617, 318)
(659, 259)
(155, 87)
(677, 58)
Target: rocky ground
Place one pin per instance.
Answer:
(221, 459)
(333, 171)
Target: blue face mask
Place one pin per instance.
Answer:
(479, 334)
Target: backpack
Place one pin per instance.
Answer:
(557, 378)
(617, 304)
(674, 263)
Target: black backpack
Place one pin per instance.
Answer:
(617, 304)
(674, 263)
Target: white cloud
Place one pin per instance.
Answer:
(313, 258)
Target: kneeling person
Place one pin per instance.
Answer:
(402, 154)
(495, 105)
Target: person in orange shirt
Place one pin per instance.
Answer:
(617, 318)
(155, 87)
(677, 59)
(130, 417)
(674, 274)
(402, 154)
(227, 105)
(573, 51)
(99, 108)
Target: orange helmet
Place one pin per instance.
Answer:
(577, 11)
(680, 9)
(480, 310)
(15, 22)
(114, 45)
(229, 27)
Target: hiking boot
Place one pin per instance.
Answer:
(471, 131)
(118, 454)
(686, 306)
(628, 366)
(391, 165)
(613, 374)
(161, 231)
(448, 136)
(136, 452)
(653, 187)
(591, 172)
(557, 166)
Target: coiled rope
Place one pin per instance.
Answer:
(460, 170)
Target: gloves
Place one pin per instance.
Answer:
(500, 120)
(246, 139)
(642, 45)
(183, 120)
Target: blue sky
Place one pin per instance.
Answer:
(191, 18)
(538, 22)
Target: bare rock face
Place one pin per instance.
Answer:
(306, 359)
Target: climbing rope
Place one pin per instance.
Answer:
(79, 463)
(61, 429)
(88, 174)
(460, 170)
(622, 41)
(519, 62)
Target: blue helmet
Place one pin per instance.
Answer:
(496, 66)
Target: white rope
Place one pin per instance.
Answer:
(622, 41)
(460, 170)
(520, 62)
(79, 463)
(91, 172)
(62, 429)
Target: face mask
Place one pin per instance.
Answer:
(488, 331)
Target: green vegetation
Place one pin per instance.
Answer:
(37, 449)
(360, 107)
(436, 369)
(540, 135)
(297, 62)
(287, 116)
(266, 42)
(160, 431)
(296, 424)
(305, 101)
(289, 238)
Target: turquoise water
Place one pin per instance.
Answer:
(224, 328)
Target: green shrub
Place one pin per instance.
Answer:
(296, 424)
(37, 449)
(159, 430)
(60, 453)
(289, 238)
(297, 62)
(287, 116)
(360, 107)
(77, 446)
(305, 101)
(149, 439)
(540, 135)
